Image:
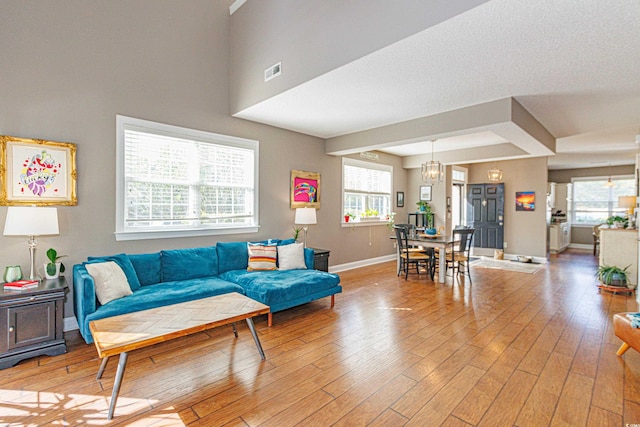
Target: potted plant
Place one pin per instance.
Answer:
(423, 206)
(296, 233)
(612, 276)
(370, 215)
(53, 268)
(349, 216)
(391, 220)
(618, 221)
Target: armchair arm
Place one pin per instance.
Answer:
(84, 296)
(309, 258)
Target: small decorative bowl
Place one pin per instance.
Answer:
(431, 231)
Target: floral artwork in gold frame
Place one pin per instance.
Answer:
(37, 172)
(305, 189)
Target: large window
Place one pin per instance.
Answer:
(594, 201)
(366, 189)
(175, 182)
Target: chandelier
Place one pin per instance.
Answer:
(433, 171)
(609, 183)
(495, 174)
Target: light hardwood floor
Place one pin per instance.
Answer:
(510, 349)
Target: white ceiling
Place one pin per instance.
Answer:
(574, 65)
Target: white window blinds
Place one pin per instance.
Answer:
(180, 179)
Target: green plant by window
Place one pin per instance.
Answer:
(617, 218)
(370, 213)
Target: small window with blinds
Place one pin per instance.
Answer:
(366, 190)
(178, 182)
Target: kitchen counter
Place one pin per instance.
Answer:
(559, 236)
(619, 247)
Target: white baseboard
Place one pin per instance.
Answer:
(69, 324)
(362, 263)
(581, 246)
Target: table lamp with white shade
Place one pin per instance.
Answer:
(627, 202)
(305, 217)
(31, 221)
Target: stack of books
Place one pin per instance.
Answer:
(20, 285)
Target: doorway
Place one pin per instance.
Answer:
(457, 204)
(485, 213)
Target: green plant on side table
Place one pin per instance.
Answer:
(423, 206)
(51, 268)
(617, 219)
(296, 233)
(612, 276)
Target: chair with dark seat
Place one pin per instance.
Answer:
(410, 256)
(458, 257)
(596, 238)
(411, 229)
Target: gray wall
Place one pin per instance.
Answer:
(68, 67)
(565, 175)
(264, 32)
(524, 232)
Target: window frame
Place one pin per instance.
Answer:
(347, 161)
(123, 233)
(611, 203)
(462, 183)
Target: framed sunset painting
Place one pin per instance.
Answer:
(525, 200)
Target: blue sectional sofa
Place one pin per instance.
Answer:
(174, 276)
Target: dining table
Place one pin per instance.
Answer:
(436, 241)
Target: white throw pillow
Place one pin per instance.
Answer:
(110, 281)
(291, 257)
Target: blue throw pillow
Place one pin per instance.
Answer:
(125, 264)
(189, 263)
(147, 267)
(232, 256)
(286, 242)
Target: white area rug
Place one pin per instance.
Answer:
(520, 267)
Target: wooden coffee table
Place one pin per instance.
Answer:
(127, 332)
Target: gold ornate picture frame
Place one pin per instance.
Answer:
(37, 172)
(305, 189)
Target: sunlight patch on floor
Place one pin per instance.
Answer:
(24, 407)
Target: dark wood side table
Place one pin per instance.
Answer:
(31, 322)
(321, 259)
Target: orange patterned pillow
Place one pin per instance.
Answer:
(262, 257)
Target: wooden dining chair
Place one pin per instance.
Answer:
(458, 257)
(409, 256)
(596, 237)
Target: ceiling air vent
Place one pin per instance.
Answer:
(273, 71)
